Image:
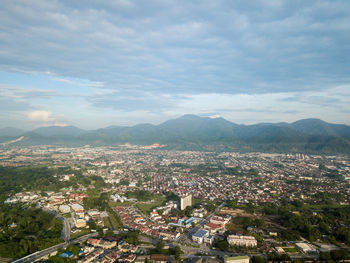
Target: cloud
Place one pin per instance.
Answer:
(244, 60)
(187, 48)
(10, 104)
(82, 83)
(40, 116)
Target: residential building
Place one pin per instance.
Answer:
(238, 259)
(200, 235)
(248, 241)
(185, 201)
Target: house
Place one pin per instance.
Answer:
(158, 258)
(248, 241)
(203, 260)
(80, 223)
(77, 208)
(141, 258)
(238, 259)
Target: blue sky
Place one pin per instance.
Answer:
(97, 63)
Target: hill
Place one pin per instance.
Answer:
(202, 133)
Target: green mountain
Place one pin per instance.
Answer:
(198, 133)
(9, 131)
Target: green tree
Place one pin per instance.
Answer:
(160, 245)
(258, 259)
(178, 253)
(222, 245)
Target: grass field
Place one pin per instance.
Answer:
(127, 203)
(114, 221)
(79, 234)
(106, 223)
(290, 249)
(146, 207)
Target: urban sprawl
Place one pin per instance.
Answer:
(169, 206)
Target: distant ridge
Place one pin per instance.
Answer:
(205, 133)
(9, 131)
(59, 130)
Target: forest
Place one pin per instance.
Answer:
(26, 230)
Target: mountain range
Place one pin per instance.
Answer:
(192, 132)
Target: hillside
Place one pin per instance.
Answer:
(198, 133)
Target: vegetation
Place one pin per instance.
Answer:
(31, 178)
(99, 202)
(115, 218)
(140, 195)
(311, 222)
(26, 230)
(16, 179)
(131, 237)
(334, 255)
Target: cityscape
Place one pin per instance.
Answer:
(174, 131)
(136, 203)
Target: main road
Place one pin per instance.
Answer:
(42, 253)
(189, 233)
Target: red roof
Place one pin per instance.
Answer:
(212, 226)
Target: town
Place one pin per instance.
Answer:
(147, 204)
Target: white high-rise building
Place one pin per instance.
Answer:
(185, 201)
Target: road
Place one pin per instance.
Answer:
(189, 233)
(39, 254)
(66, 224)
(110, 223)
(66, 228)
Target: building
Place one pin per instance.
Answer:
(158, 258)
(185, 201)
(80, 223)
(213, 228)
(238, 259)
(64, 209)
(77, 208)
(208, 240)
(248, 241)
(305, 248)
(200, 235)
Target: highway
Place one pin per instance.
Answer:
(42, 253)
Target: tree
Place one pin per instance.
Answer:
(160, 245)
(258, 259)
(74, 249)
(178, 253)
(222, 245)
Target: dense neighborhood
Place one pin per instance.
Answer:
(146, 204)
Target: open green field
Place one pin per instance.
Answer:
(114, 221)
(106, 223)
(146, 207)
(290, 249)
(127, 203)
(79, 234)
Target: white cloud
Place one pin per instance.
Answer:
(41, 116)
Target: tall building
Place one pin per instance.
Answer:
(185, 201)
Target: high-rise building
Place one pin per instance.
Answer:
(185, 201)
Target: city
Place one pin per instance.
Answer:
(130, 203)
(174, 131)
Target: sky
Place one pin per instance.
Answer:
(96, 63)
